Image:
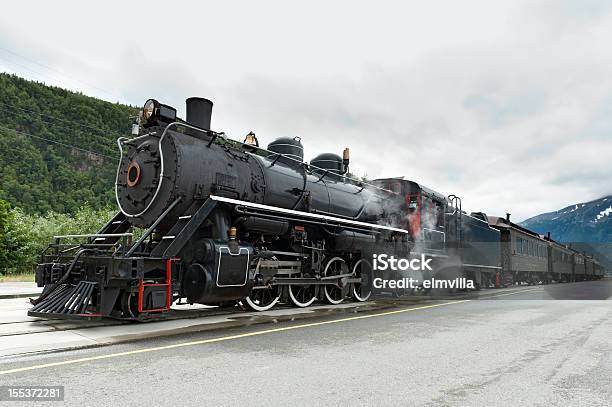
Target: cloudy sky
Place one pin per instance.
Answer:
(507, 104)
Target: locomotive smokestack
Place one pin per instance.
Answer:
(548, 234)
(508, 217)
(199, 112)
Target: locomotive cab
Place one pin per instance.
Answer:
(422, 211)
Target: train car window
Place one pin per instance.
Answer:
(413, 203)
(428, 216)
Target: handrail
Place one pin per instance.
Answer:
(126, 140)
(94, 235)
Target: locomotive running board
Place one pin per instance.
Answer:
(317, 216)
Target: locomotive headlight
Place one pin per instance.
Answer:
(154, 110)
(149, 108)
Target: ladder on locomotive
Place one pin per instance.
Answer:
(113, 230)
(182, 231)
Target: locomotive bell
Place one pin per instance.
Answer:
(346, 159)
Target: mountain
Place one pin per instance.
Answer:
(586, 226)
(57, 148)
(589, 222)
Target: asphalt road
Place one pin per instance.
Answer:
(513, 349)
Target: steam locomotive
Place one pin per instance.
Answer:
(209, 220)
(221, 221)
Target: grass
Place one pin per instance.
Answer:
(17, 278)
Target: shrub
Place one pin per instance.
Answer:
(25, 236)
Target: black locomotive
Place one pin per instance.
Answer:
(224, 221)
(214, 221)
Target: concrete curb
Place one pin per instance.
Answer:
(19, 289)
(20, 295)
(79, 338)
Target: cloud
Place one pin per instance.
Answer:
(504, 103)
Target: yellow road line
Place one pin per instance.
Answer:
(221, 339)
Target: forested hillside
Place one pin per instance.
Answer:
(57, 148)
(58, 157)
